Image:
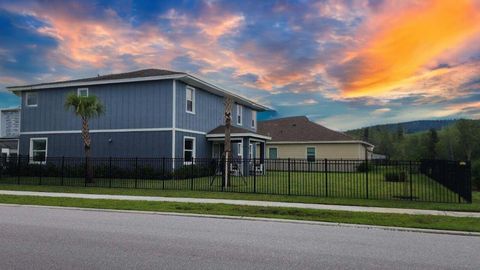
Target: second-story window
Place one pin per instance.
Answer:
(190, 100)
(32, 99)
(239, 114)
(82, 92)
(254, 119)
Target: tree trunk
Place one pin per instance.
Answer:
(86, 144)
(228, 147)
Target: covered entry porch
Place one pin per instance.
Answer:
(248, 149)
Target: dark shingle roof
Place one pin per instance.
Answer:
(299, 129)
(127, 75)
(233, 129)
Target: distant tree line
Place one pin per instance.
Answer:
(458, 141)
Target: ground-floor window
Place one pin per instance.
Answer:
(311, 153)
(188, 149)
(38, 149)
(272, 153)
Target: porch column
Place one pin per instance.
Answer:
(246, 154)
(262, 152)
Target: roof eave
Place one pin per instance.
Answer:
(87, 83)
(322, 142)
(187, 78)
(220, 91)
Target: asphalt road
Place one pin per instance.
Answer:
(43, 238)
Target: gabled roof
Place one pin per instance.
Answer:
(142, 75)
(235, 132)
(299, 129)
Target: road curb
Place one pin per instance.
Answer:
(278, 220)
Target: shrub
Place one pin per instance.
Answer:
(476, 174)
(363, 167)
(188, 171)
(395, 176)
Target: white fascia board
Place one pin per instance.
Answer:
(189, 79)
(319, 142)
(240, 135)
(73, 84)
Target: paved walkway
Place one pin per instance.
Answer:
(247, 203)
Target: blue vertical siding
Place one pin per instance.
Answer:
(135, 105)
(123, 144)
(203, 147)
(208, 110)
(127, 106)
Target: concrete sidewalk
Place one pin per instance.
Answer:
(246, 203)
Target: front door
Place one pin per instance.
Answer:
(217, 151)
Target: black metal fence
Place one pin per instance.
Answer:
(427, 180)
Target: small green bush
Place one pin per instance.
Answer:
(396, 176)
(363, 167)
(476, 174)
(189, 171)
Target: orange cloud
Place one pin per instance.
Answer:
(406, 44)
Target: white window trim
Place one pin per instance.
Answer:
(31, 149)
(315, 152)
(239, 107)
(240, 150)
(193, 99)
(276, 148)
(194, 150)
(82, 89)
(254, 119)
(26, 99)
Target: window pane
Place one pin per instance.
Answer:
(188, 144)
(310, 153)
(189, 94)
(272, 153)
(39, 145)
(189, 105)
(188, 156)
(31, 99)
(39, 156)
(83, 93)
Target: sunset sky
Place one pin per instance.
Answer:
(344, 64)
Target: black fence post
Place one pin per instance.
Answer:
(136, 172)
(110, 173)
(18, 170)
(191, 174)
(255, 181)
(40, 169)
(326, 176)
(254, 170)
(457, 180)
(63, 170)
(163, 173)
(468, 181)
(86, 170)
(289, 178)
(366, 175)
(411, 179)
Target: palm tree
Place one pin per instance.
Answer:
(85, 108)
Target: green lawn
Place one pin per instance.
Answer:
(473, 207)
(334, 184)
(397, 220)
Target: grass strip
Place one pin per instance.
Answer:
(396, 220)
(474, 207)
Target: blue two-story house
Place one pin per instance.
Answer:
(149, 113)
